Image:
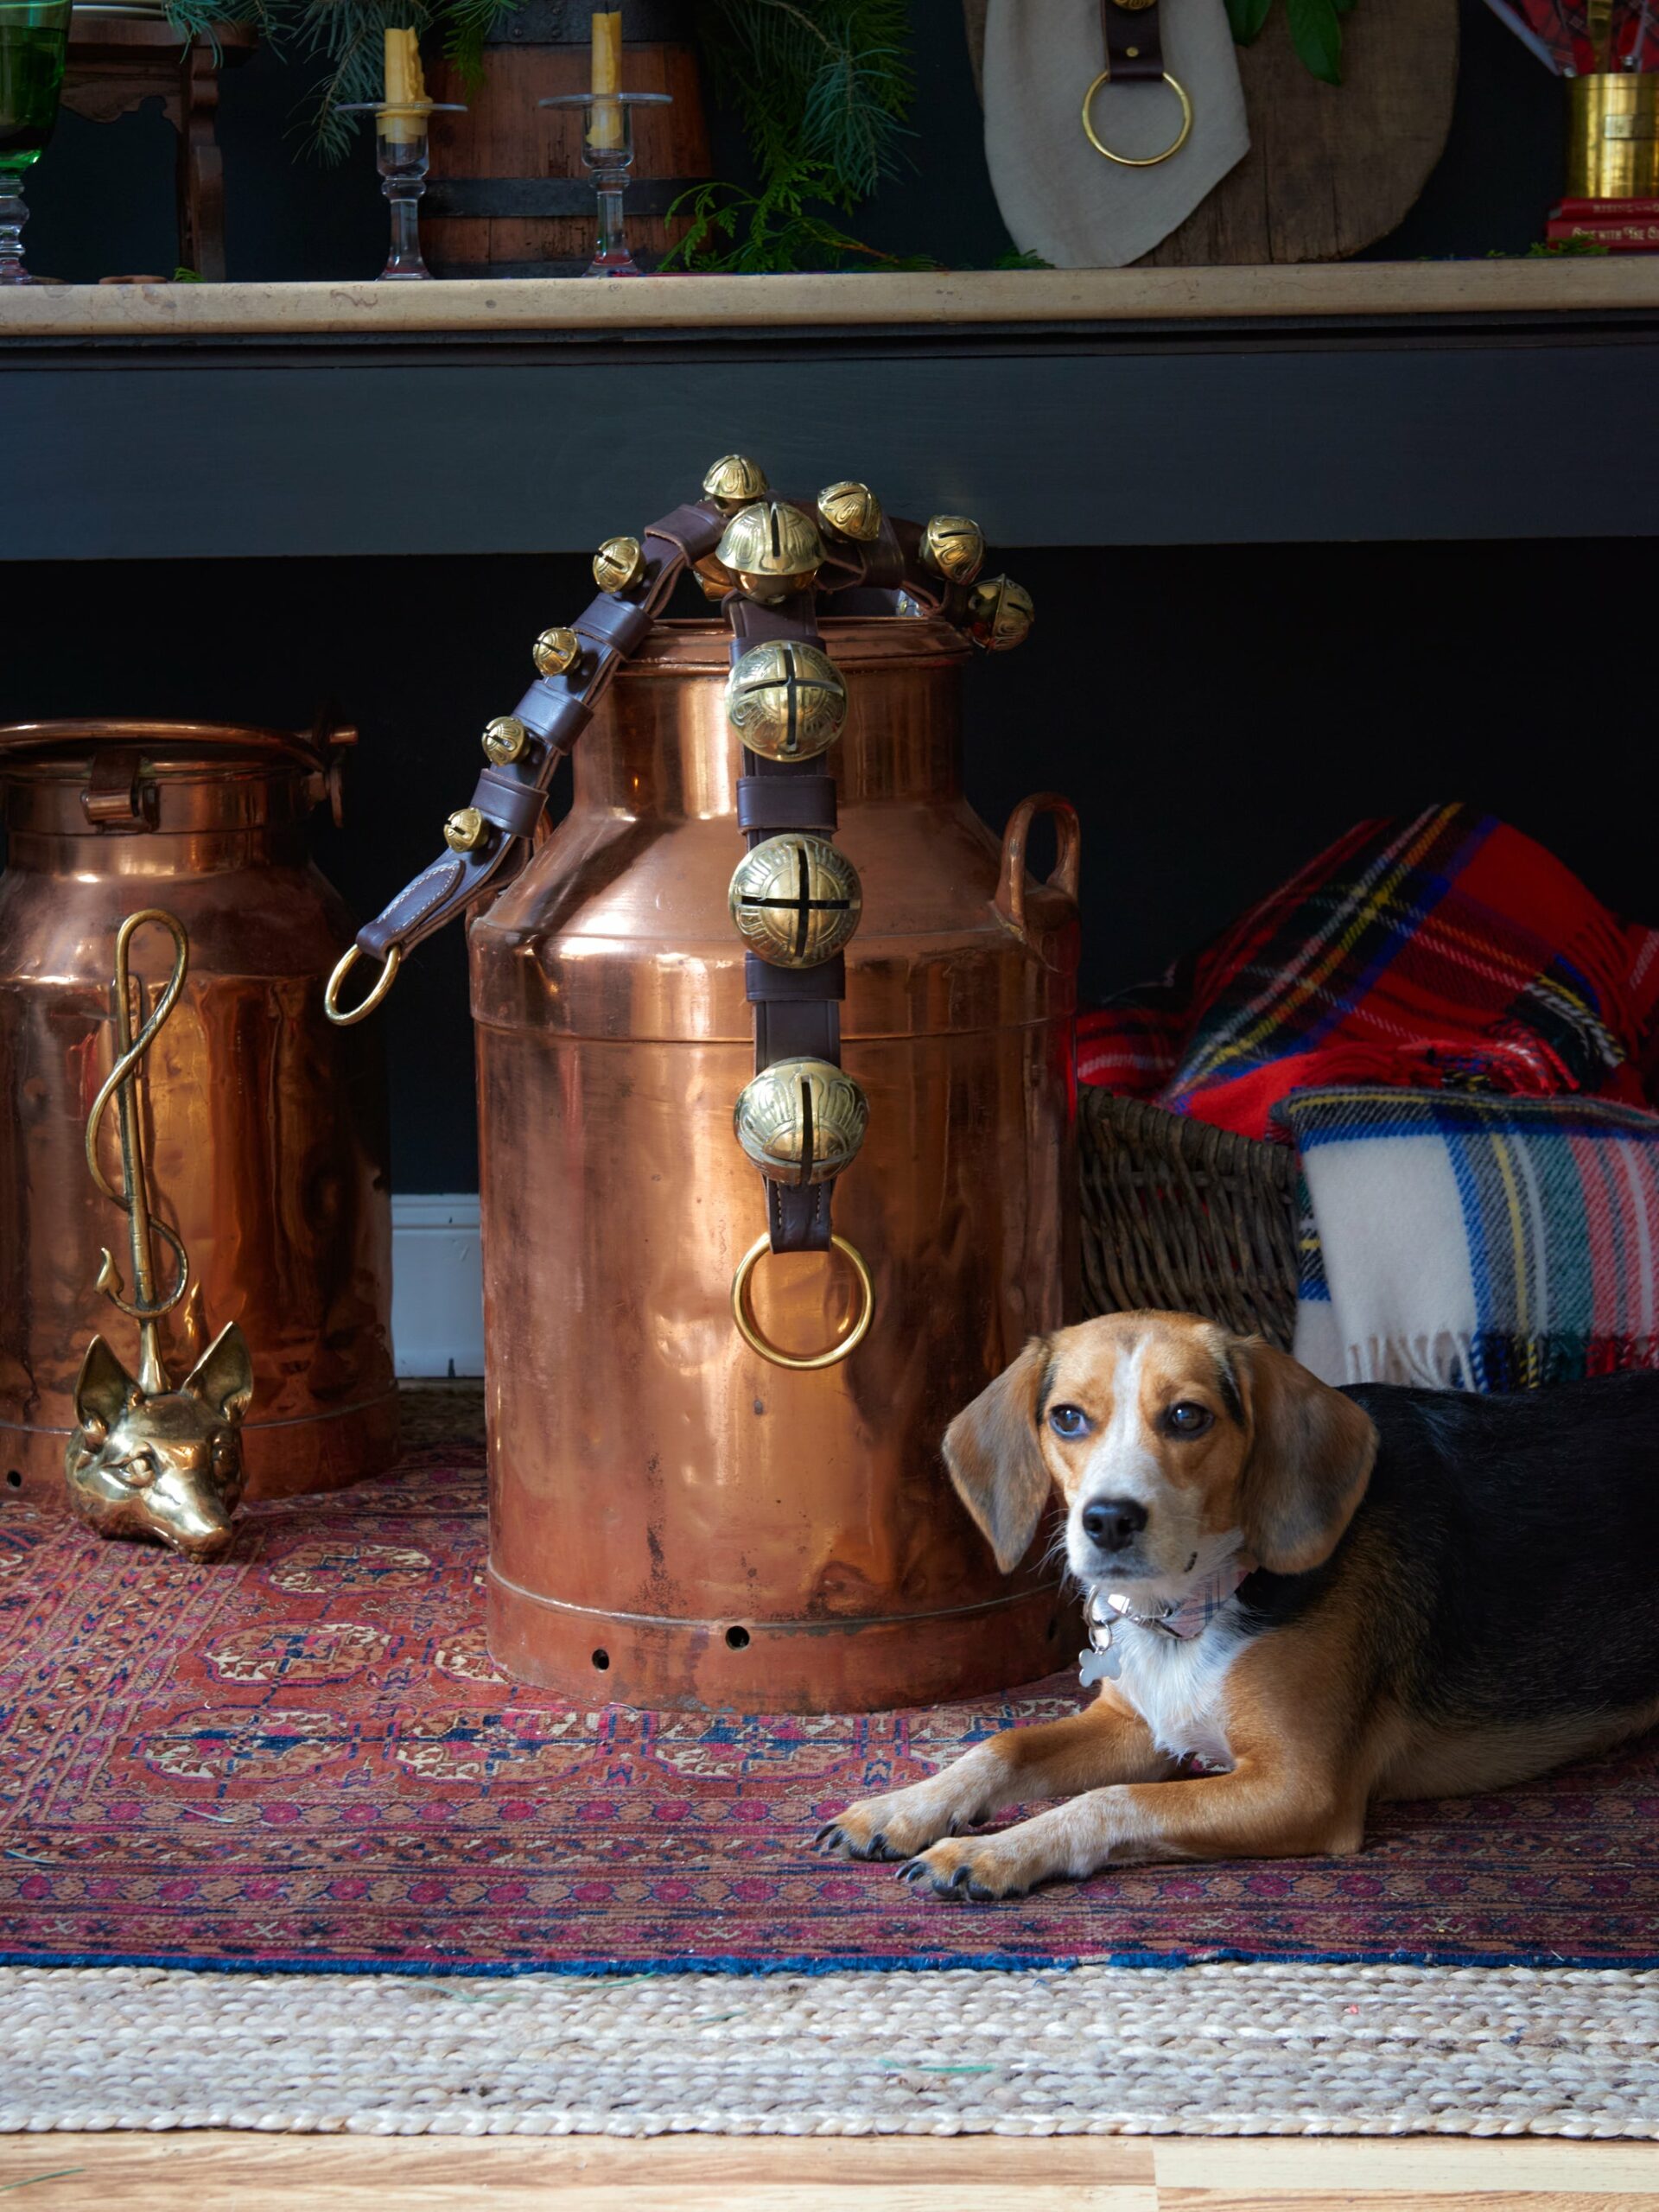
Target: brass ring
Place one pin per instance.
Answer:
(1138, 161)
(347, 960)
(752, 1335)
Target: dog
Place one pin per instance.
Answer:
(1312, 1598)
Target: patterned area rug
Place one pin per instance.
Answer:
(302, 1758)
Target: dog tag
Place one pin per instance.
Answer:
(1098, 1667)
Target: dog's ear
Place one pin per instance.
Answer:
(1310, 1458)
(995, 1460)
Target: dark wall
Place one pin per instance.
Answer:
(1217, 714)
(102, 196)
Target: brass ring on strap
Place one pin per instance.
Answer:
(384, 982)
(804, 1364)
(1138, 161)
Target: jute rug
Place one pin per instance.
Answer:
(1212, 2050)
(304, 1759)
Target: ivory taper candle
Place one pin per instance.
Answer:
(405, 88)
(606, 128)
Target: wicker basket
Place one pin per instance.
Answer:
(1185, 1218)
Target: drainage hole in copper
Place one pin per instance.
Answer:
(602, 1660)
(737, 1639)
(15, 1481)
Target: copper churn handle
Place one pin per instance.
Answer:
(1011, 889)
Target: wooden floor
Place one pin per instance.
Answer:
(323, 2173)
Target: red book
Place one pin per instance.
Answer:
(1616, 237)
(1616, 211)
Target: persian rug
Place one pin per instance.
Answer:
(303, 1759)
(1217, 2051)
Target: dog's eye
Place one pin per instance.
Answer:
(138, 1472)
(1068, 1420)
(1188, 1419)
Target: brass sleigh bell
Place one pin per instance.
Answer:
(786, 700)
(733, 482)
(1000, 614)
(796, 901)
(801, 1121)
(954, 547)
(620, 564)
(556, 651)
(851, 510)
(772, 550)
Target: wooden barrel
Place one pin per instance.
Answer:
(508, 195)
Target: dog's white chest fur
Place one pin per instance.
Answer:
(1175, 1685)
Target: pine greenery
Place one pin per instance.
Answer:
(823, 88)
(347, 36)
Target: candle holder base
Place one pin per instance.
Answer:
(607, 155)
(402, 156)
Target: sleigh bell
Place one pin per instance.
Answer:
(786, 700)
(801, 1121)
(733, 481)
(851, 510)
(796, 901)
(1000, 614)
(953, 546)
(772, 550)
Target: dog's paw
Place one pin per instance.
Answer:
(895, 1827)
(977, 1870)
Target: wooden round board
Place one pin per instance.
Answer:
(1330, 167)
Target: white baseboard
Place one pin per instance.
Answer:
(438, 1284)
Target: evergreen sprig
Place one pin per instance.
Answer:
(823, 87)
(347, 35)
(1315, 30)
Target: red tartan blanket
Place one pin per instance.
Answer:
(1447, 949)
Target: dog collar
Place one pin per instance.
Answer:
(1185, 1621)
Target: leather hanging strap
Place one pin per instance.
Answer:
(1134, 45)
(796, 1010)
(512, 795)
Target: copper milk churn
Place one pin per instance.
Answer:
(267, 1141)
(675, 1520)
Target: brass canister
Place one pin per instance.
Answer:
(674, 1521)
(1613, 140)
(266, 1125)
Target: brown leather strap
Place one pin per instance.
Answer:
(554, 710)
(768, 804)
(796, 1010)
(1134, 44)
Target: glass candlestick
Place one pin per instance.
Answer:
(34, 40)
(608, 154)
(401, 156)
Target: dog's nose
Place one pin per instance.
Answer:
(1113, 1523)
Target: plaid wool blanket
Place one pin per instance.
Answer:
(1447, 948)
(1474, 1243)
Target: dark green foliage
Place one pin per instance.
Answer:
(348, 35)
(823, 87)
(1315, 30)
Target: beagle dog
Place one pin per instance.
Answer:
(1301, 1599)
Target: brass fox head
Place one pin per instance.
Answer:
(168, 1464)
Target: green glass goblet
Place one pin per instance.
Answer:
(34, 40)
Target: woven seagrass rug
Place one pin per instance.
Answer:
(303, 1759)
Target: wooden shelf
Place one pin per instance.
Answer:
(855, 301)
(1145, 406)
